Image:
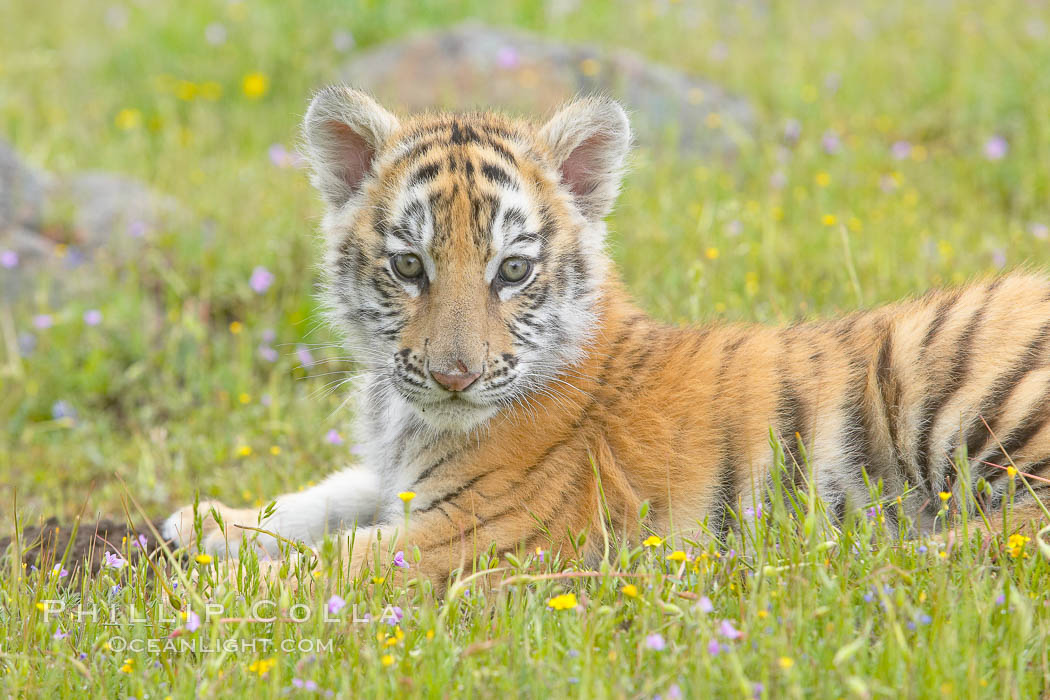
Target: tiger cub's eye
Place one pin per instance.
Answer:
(407, 265)
(514, 270)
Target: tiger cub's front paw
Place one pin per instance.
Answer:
(179, 529)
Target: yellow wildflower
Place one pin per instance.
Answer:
(945, 496)
(128, 667)
(203, 559)
(255, 85)
(262, 666)
(829, 219)
(1011, 471)
(822, 179)
(387, 660)
(244, 451)
(652, 541)
(1016, 545)
(236, 327)
(275, 450)
(565, 601)
(128, 119)
(630, 590)
(711, 253)
(786, 662)
(245, 398)
(406, 496)
(677, 555)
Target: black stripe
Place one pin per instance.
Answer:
(991, 407)
(727, 489)
(935, 402)
(858, 427)
(462, 135)
(502, 151)
(941, 315)
(890, 390)
(436, 465)
(791, 416)
(497, 175)
(424, 174)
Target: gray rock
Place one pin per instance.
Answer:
(21, 192)
(472, 66)
(90, 213)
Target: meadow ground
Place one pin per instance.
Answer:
(920, 159)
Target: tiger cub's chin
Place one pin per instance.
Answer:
(454, 415)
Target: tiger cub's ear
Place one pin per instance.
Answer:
(589, 140)
(343, 129)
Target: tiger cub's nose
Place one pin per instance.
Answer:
(458, 380)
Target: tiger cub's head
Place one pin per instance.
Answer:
(464, 252)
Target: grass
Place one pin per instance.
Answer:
(171, 399)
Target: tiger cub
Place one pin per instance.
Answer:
(510, 378)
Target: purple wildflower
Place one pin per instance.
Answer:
(1000, 599)
(713, 647)
(393, 615)
(922, 549)
(8, 259)
(261, 279)
(335, 604)
(996, 148)
(269, 335)
(63, 409)
(831, 142)
(92, 317)
(778, 180)
(59, 634)
(114, 560)
(868, 597)
(193, 621)
(57, 570)
(305, 685)
(26, 343)
(305, 357)
(138, 228)
(704, 605)
(357, 449)
(728, 631)
(655, 641)
(399, 560)
(1040, 231)
(792, 131)
(140, 542)
(507, 57)
(115, 590)
(674, 692)
(999, 258)
(755, 513)
(266, 400)
(43, 321)
(900, 150)
(333, 437)
(267, 353)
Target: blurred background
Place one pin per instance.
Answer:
(157, 249)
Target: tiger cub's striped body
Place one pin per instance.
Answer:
(509, 378)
